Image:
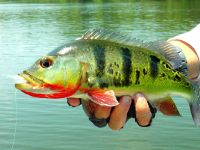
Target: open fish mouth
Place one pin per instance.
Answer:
(29, 81)
(35, 87)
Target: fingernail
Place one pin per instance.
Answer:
(126, 99)
(138, 95)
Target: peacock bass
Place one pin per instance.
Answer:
(102, 65)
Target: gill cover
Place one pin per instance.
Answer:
(59, 77)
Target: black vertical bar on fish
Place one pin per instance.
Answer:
(127, 66)
(154, 66)
(99, 53)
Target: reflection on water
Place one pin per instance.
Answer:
(28, 31)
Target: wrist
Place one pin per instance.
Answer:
(191, 57)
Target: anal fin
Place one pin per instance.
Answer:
(167, 107)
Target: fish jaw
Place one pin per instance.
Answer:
(38, 88)
(30, 82)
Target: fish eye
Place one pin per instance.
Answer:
(45, 63)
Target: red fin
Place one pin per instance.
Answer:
(167, 107)
(103, 98)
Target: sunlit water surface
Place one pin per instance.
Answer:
(28, 31)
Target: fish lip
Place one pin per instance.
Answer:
(31, 79)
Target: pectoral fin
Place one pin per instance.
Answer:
(103, 98)
(167, 107)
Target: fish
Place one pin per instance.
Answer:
(102, 65)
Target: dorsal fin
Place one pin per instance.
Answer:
(105, 35)
(172, 54)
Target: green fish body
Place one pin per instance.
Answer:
(100, 68)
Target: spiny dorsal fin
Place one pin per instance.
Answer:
(105, 35)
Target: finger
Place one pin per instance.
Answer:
(101, 114)
(119, 114)
(97, 114)
(143, 113)
(73, 102)
(88, 107)
(102, 111)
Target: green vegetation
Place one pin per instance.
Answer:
(86, 1)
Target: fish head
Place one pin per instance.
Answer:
(51, 77)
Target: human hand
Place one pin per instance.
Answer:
(116, 117)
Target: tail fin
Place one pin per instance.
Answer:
(195, 103)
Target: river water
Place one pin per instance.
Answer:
(30, 30)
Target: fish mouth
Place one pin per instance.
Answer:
(35, 87)
(30, 81)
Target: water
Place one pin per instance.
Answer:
(30, 30)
